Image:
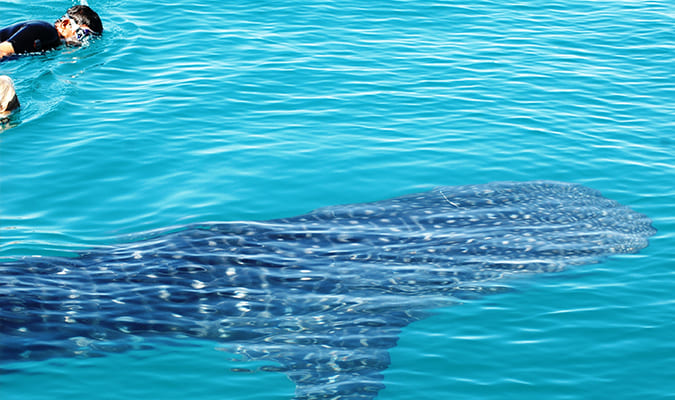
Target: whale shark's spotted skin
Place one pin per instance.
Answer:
(323, 294)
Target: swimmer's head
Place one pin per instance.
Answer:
(78, 24)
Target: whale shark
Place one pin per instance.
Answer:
(322, 296)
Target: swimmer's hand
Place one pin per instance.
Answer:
(6, 49)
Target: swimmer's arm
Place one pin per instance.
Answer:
(6, 49)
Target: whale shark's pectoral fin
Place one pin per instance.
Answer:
(344, 373)
(336, 358)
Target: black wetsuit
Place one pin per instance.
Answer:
(31, 36)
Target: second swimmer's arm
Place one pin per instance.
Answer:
(6, 49)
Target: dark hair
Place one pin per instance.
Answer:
(84, 15)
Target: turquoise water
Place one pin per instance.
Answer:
(206, 111)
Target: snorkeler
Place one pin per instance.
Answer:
(73, 28)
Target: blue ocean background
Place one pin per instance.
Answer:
(193, 111)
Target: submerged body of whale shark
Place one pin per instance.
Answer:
(324, 294)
